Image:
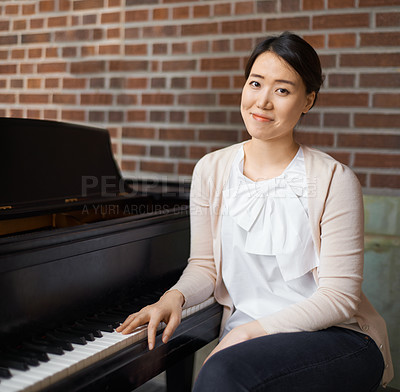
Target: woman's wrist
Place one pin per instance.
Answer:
(175, 295)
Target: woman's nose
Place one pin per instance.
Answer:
(264, 102)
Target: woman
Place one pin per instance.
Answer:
(277, 238)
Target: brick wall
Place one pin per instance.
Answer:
(164, 76)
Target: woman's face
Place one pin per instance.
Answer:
(273, 98)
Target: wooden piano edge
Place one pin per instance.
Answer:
(134, 365)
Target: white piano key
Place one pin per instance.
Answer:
(61, 366)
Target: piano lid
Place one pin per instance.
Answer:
(48, 163)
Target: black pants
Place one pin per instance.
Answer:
(331, 360)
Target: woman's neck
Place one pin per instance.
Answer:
(265, 159)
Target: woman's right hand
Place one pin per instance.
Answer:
(167, 309)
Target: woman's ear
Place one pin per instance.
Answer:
(309, 102)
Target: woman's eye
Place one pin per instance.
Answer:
(254, 84)
(282, 91)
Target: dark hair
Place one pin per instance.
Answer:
(297, 53)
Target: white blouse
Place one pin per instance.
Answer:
(267, 250)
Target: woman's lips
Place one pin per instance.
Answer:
(257, 117)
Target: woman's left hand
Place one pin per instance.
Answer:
(239, 334)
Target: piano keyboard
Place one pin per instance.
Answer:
(59, 367)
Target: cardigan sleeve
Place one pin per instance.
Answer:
(197, 282)
(341, 255)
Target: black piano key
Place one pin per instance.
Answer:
(68, 337)
(78, 332)
(88, 328)
(107, 320)
(5, 373)
(102, 326)
(64, 344)
(47, 348)
(40, 356)
(13, 363)
(21, 357)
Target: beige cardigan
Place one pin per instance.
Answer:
(336, 217)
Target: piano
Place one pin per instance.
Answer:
(80, 249)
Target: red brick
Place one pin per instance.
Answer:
(80, 5)
(8, 40)
(180, 13)
(242, 44)
(279, 24)
(316, 41)
(176, 134)
(28, 9)
(136, 50)
(50, 114)
(218, 135)
(342, 40)
(200, 29)
(73, 115)
(12, 9)
(4, 25)
(340, 21)
(58, 21)
(36, 23)
(310, 119)
(377, 160)
(68, 99)
(157, 99)
(313, 5)
(128, 165)
(178, 65)
(51, 52)
(88, 51)
(201, 11)
(52, 67)
(15, 113)
(290, 5)
(197, 117)
(96, 99)
(137, 83)
(343, 157)
(380, 39)
(137, 16)
(136, 115)
(64, 5)
(341, 80)
(244, 7)
(134, 149)
(370, 60)
(160, 14)
(230, 99)
(74, 83)
(179, 48)
(388, 19)
(242, 26)
(7, 98)
(222, 9)
(267, 6)
(196, 152)
(337, 120)
(380, 79)
(109, 49)
(386, 100)
(26, 68)
(200, 46)
(33, 113)
(17, 83)
(88, 67)
(35, 38)
(220, 64)
(111, 17)
(315, 138)
(132, 33)
(160, 31)
(185, 168)
(113, 33)
(220, 82)
(340, 3)
(126, 99)
(19, 25)
(385, 180)
(343, 99)
(157, 167)
(369, 140)
(138, 133)
(378, 3)
(18, 53)
(177, 152)
(46, 6)
(376, 120)
(8, 68)
(197, 99)
(34, 83)
(51, 83)
(34, 98)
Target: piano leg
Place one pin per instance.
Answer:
(179, 375)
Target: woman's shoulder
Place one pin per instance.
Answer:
(219, 157)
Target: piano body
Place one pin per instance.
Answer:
(80, 249)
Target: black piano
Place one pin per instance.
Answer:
(80, 249)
